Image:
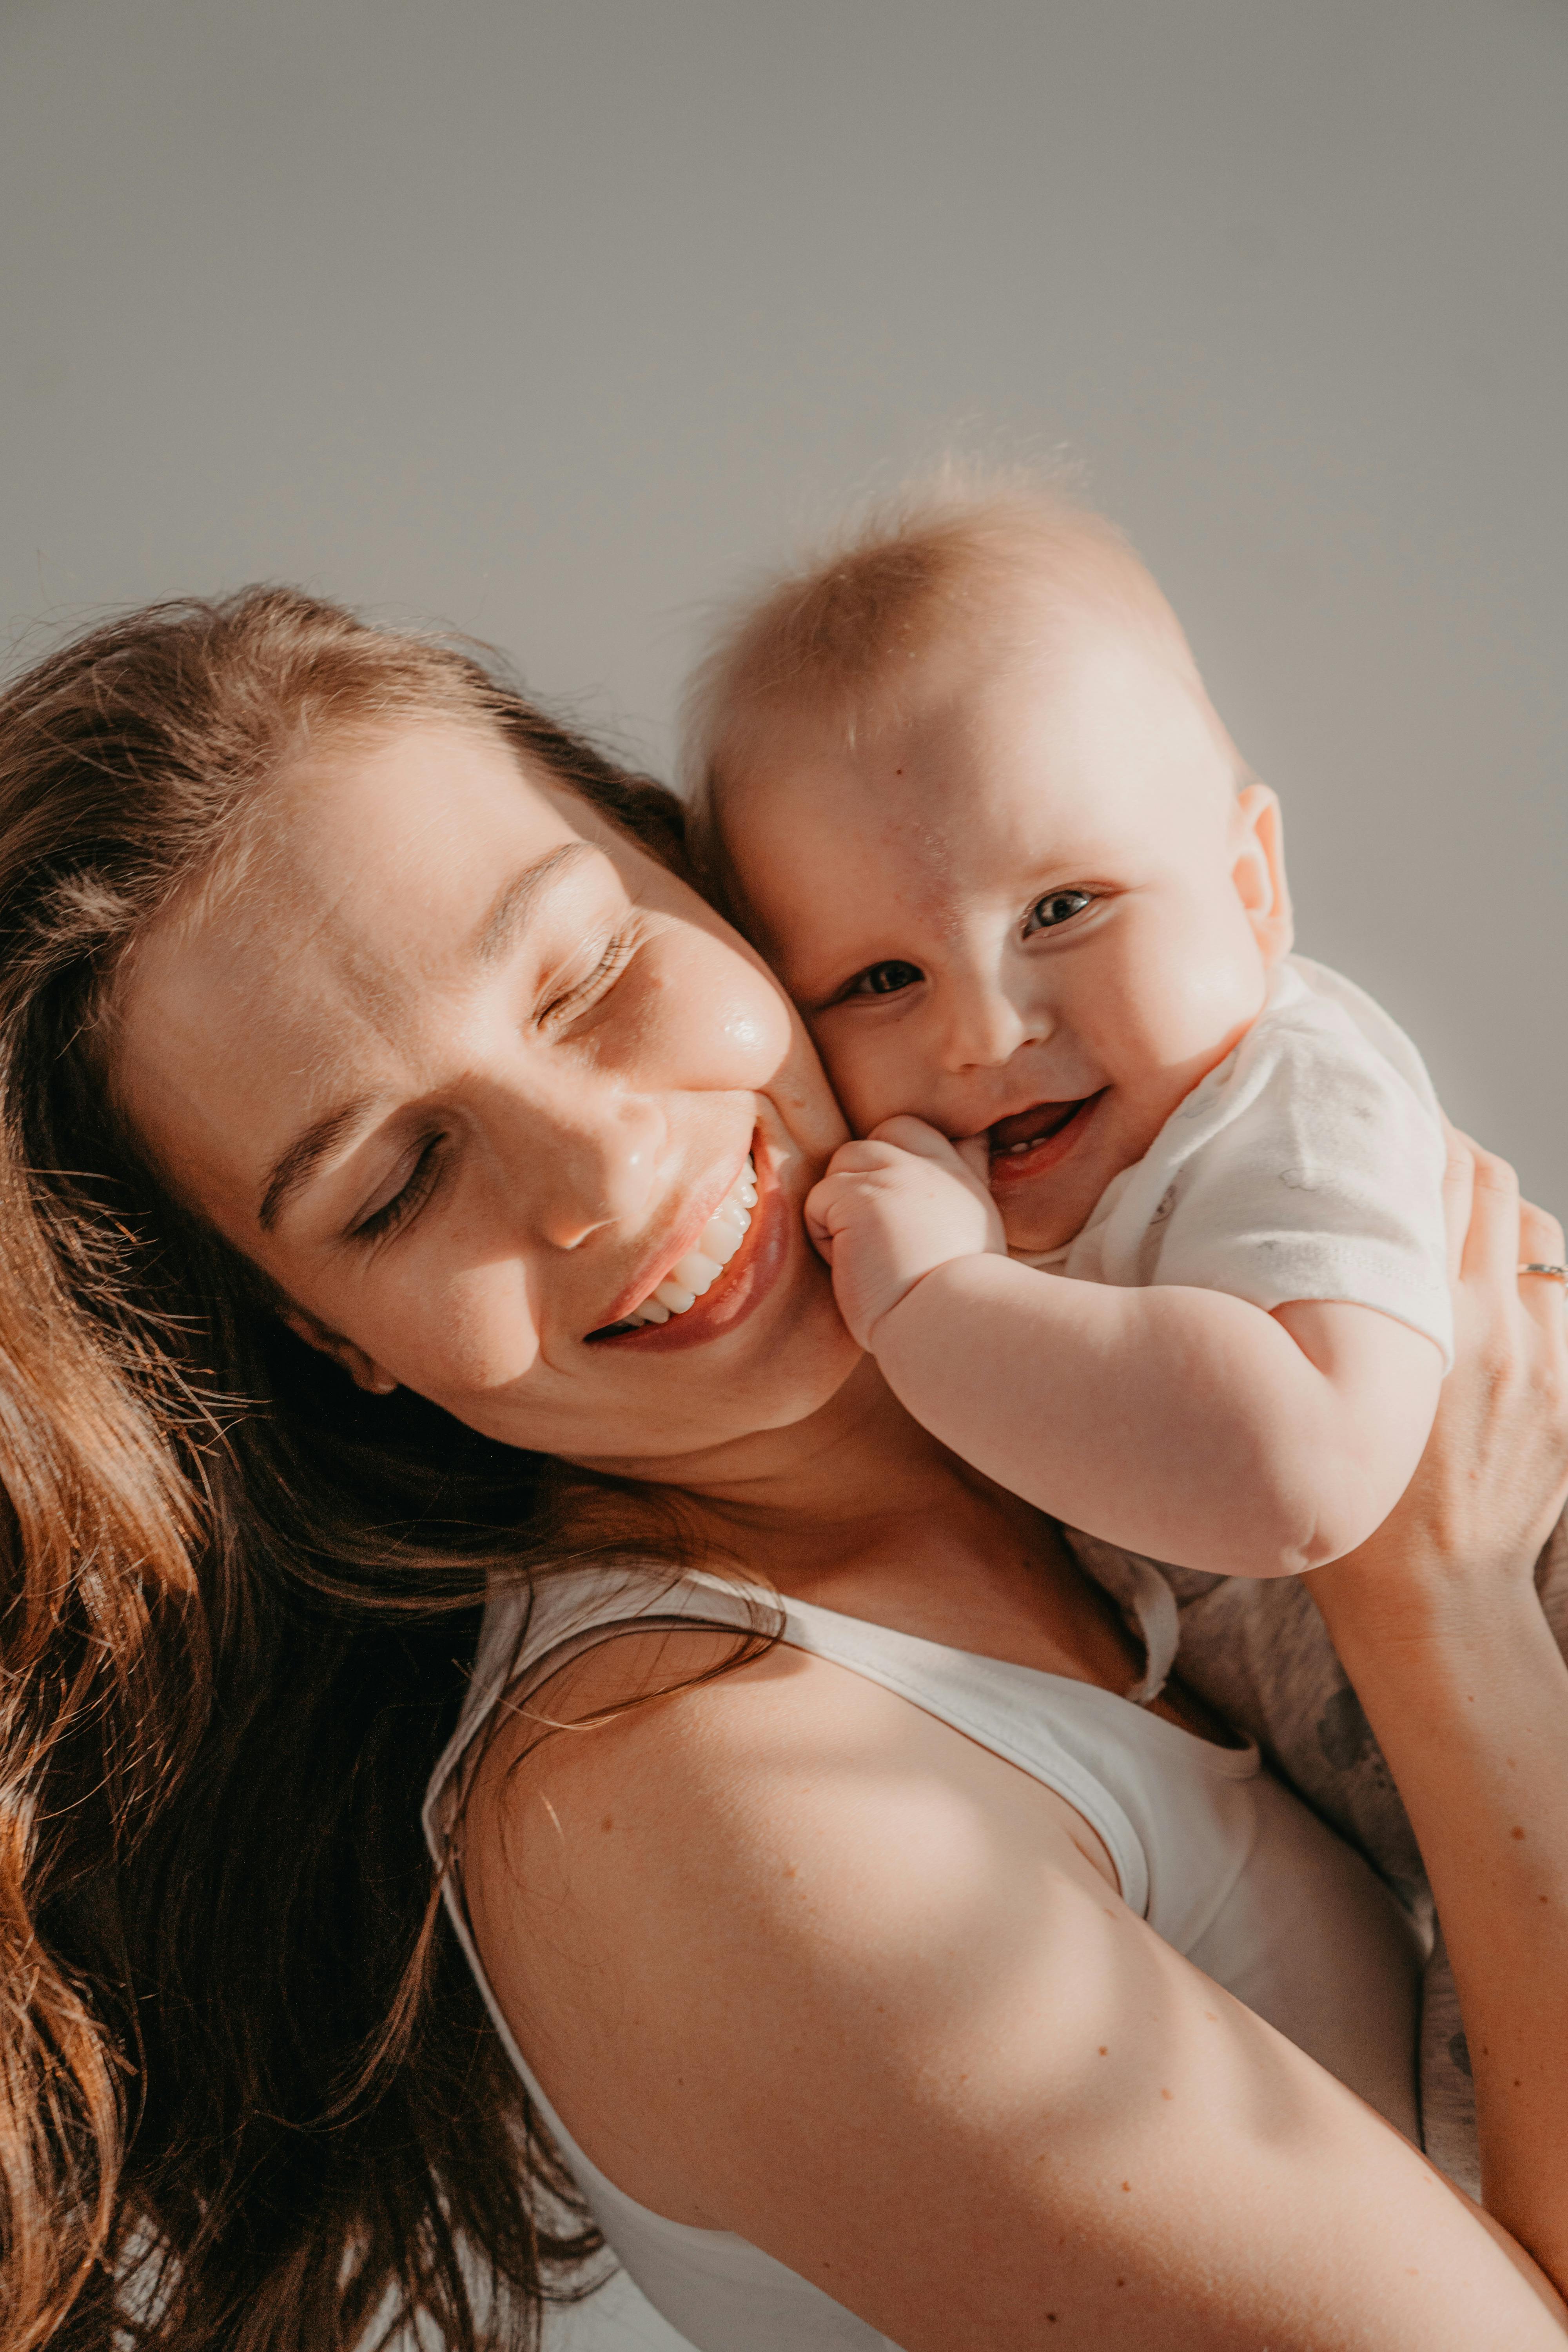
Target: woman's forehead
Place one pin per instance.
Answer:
(382, 848)
(380, 871)
(431, 805)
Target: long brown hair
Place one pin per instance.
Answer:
(248, 2097)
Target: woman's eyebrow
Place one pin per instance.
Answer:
(297, 1164)
(517, 900)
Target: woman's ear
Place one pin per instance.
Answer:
(1258, 870)
(362, 1370)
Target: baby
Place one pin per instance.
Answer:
(1146, 1223)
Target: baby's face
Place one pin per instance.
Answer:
(1032, 906)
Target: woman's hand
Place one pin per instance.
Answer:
(1494, 1476)
(1437, 1622)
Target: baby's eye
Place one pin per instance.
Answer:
(1058, 906)
(883, 979)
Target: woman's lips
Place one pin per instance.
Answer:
(1036, 1140)
(744, 1282)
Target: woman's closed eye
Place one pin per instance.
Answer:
(572, 994)
(565, 999)
(415, 1179)
(1057, 907)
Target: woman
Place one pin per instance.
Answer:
(368, 1065)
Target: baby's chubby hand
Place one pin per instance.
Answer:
(893, 1207)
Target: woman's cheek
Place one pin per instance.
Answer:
(721, 1024)
(729, 1028)
(475, 1332)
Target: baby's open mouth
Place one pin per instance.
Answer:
(693, 1276)
(1011, 1138)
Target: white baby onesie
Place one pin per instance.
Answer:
(1309, 1164)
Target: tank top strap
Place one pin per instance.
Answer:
(527, 1637)
(1143, 1592)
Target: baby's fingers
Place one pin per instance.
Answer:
(967, 1157)
(923, 1142)
(865, 1156)
(974, 1150)
(838, 1196)
(818, 1208)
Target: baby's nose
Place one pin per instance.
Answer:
(984, 1027)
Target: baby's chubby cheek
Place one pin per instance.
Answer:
(872, 1080)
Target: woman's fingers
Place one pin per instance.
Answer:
(1495, 1470)
(1540, 1236)
(1544, 1299)
(1459, 1192)
(1501, 1233)
(1491, 1254)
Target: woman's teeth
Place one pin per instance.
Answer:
(697, 1271)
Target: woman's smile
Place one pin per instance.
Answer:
(696, 1263)
(757, 1257)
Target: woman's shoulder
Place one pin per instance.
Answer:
(795, 1959)
(700, 1838)
(660, 1732)
(692, 1720)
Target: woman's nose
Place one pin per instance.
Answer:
(606, 1173)
(596, 1162)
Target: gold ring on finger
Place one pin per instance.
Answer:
(1554, 1273)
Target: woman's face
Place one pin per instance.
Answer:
(467, 1073)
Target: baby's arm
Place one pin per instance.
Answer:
(1184, 1423)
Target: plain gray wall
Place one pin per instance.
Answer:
(553, 319)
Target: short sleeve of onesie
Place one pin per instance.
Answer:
(1307, 1165)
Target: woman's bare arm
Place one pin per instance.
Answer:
(1439, 1625)
(798, 1960)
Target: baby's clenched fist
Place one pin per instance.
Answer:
(892, 1208)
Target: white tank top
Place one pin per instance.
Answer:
(1218, 1856)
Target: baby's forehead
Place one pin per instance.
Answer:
(987, 788)
(1039, 606)
(1081, 718)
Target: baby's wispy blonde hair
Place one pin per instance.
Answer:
(835, 632)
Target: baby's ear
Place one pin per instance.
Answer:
(1257, 869)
